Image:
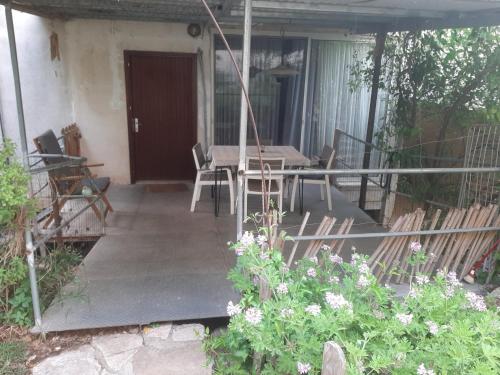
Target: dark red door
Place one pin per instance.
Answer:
(161, 95)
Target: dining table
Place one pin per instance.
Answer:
(228, 157)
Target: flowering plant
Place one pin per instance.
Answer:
(438, 328)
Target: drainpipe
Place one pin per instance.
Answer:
(30, 250)
(247, 35)
(377, 60)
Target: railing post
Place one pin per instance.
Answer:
(247, 37)
(333, 359)
(377, 61)
(30, 250)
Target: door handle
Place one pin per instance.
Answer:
(136, 125)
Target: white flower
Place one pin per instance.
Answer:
(264, 255)
(354, 258)
(452, 280)
(282, 288)
(333, 280)
(336, 301)
(303, 368)
(233, 309)
(353, 249)
(311, 272)
(475, 302)
(414, 293)
(286, 313)
(405, 319)
(422, 279)
(363, 282)
(433, 327)
(415, 246)
(423, 371)
(313, 309)
(325, 247)
(253, 316)
(261, 240)
(336, 259)
(363, 268)
(247, 239)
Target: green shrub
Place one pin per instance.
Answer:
(15, 294)
(13, 185)
(438, 328)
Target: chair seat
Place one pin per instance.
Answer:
(256, 186)
(101, 183)
(210, 176)
(312, 177)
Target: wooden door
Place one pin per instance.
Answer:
(161, 102)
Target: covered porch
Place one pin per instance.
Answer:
(159, 262)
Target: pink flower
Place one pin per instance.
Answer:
(423, 371)
(336, 259)
(363, 282)
(475, 302)
(282, 288)
(405, 319)
(303, 368)
(313, 309)
(415, 246)
(311, 272)
(336, 301)
(253, 316)
(433, 327)
(286, 313)
(233, 309)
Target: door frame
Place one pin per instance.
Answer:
(128, 54)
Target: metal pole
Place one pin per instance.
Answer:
(247, 36)
(30, 250)
(350, 172)
(377, 61)
(393, 234)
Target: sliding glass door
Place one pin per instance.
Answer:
(276, 98)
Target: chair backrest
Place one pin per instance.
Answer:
(47, 143)
(253, 163)
(72, 136)
(199, 156)
(326, 157)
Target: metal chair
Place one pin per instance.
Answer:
(206, 177)
(324, 161)
(72, 182)
(274, 184)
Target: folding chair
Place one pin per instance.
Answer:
(206, 177)
(71, 182)
(325, 161)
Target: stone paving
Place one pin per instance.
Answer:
(160, 350)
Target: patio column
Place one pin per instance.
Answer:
(377, 61)
(30, 256)
(247, 36)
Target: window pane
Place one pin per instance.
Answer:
(276, 100)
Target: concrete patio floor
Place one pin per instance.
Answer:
(160, 262)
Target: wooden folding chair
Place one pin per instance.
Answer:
(70, 182)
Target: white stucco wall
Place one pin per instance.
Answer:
(97, 80)
(46, 96)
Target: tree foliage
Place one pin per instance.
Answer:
(451, 76)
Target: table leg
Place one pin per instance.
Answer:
(216, 206)
(301, 195)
